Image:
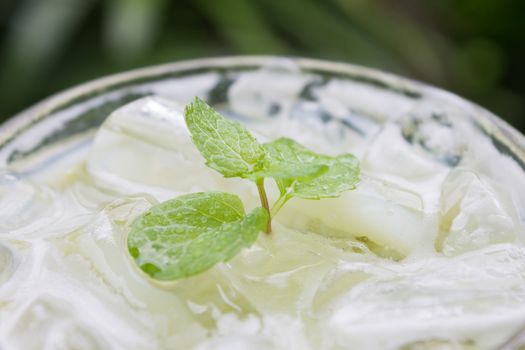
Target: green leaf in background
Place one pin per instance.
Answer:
(230, 15)
(226, 145)
(471, 47)
(191, 233)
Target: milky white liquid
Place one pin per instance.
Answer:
(427, 253)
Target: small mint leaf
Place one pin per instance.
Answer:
(286, 159)
(342, 175)
(226, 145)
(302, 173)
(191, 233)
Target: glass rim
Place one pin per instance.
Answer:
(496, 126)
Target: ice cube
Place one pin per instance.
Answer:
(276, 331)
(47, 323)
(356, 96)
(390, 157)
(269, 91)
(145, 146)
(6, 263)
(390, 154)
(459, 298)
(278, 276)
(24, 206)
(312, 127)
(112, 298)
(337, 106)
(388, 218)
(323, 130)
(474, 213)
(337, 282)
(437, 131)
(492, 153)
(103, 243)
(280, 273)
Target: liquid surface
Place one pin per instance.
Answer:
(427, 253)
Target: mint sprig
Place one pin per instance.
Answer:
(191, 233)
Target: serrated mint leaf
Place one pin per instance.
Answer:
(342, 175)
(306, 174)
(226, 145)
(191, 233)
(287, 159)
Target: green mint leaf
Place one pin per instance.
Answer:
(306, 174)
(288, 160)
(342, 175)
(226, 145)
(191, 233)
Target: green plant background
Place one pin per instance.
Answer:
(472, 47)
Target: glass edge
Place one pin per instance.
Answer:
(32, 114)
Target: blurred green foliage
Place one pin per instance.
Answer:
(472, 47)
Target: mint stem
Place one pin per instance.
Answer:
(279, 204)
(264, 203)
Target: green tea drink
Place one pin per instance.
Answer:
(426, 253)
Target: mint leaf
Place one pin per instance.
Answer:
(226, 145)
(342, 175)
(306, 174)
(191, 233)
(286, 159)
